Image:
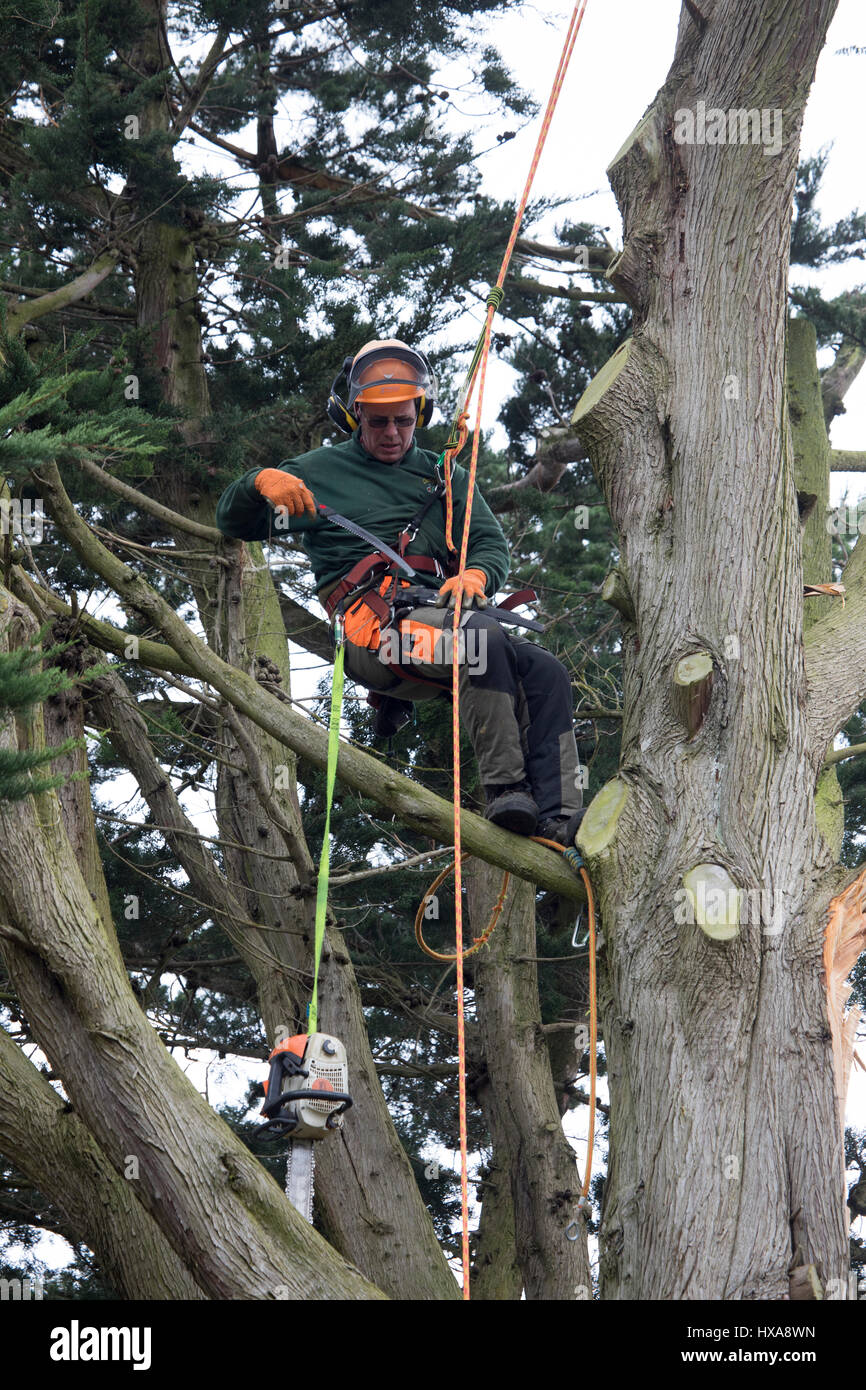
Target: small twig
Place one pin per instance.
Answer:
(343, 879)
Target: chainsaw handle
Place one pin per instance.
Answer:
(271, 1108)
(285, 1124)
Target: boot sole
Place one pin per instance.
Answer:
(519, 819)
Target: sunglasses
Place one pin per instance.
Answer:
(380, 422)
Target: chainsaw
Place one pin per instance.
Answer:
(305, 1098)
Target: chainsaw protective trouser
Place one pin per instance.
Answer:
(515, 698)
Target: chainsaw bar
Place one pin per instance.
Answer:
(300, 1176)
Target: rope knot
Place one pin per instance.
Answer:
(495, 297)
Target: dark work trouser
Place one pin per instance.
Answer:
(515, 698)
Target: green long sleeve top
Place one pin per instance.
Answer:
(382, 497)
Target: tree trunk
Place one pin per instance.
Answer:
(525, 1117)
(219, 1209)
(725, 1168)
(812, 477)
(45, 1139)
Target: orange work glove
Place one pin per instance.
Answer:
(474, 584)
(285, 490)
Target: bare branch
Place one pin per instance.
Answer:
(67, 294)
(838, 378)
(848, 460)
(147, 504)
(536, 289)
(599, 257)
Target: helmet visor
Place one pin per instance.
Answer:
(388, 375)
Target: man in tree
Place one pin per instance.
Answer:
(515, 696)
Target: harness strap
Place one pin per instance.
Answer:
(515, 600)
(412, 527)
(371, 568)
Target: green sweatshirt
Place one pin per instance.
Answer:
(383, 497)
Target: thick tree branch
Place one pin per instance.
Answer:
(43, 1137)
(147, 504)
(599, 257)
(67, 294)
(848, 460)
(197, 92)
(558, 446)
(109, 311)
(837, 380)
(302, 627)
(535, 289)
(838, 755)
(156, 656)
(835, 649)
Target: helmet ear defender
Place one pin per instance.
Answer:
(338, 412)
(344, 418)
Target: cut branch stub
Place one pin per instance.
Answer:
(615, 591)
(715, 900)
(598, 828)
(692, 689)
(602, 382)
(804, 1285)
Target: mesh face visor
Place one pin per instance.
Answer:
(387, 375)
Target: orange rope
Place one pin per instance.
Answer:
(494, 298)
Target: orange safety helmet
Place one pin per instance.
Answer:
(384, 372)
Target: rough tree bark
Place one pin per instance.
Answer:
(222, 1214)
(725, 1169)
(523, 1113)
(49, 1143)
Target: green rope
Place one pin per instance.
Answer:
(325, 860)
(495, 297)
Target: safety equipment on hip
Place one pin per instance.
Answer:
(285, 490)
(384, 373)
(474, 584)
